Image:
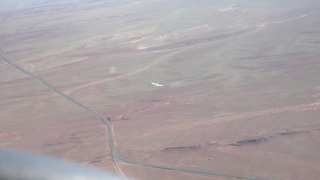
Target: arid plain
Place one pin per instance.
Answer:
(240, 94)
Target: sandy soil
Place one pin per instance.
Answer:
(240, 92)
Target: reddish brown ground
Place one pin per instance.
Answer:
(240, 93)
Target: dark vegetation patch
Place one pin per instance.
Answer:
(249, 141)
(179, 148)
(291, 133)
(95, 161)
(123, 118)
(63, 142)
(265, 139)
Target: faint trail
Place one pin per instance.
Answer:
(287, 19)
(68, 63)
(255, 164)
(158, 60)
(37, 106)
(200, 122)
(229, 102)
(219, 55)
(111, 140)
(119, 170)
(128, 74)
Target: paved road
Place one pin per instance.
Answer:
(114, 151)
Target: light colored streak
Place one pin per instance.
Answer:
(156, 84)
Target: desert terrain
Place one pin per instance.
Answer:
(218, 86)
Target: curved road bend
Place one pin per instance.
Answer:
(111, 141)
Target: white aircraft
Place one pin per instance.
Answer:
(156, 84)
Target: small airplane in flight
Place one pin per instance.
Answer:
(156, 84)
